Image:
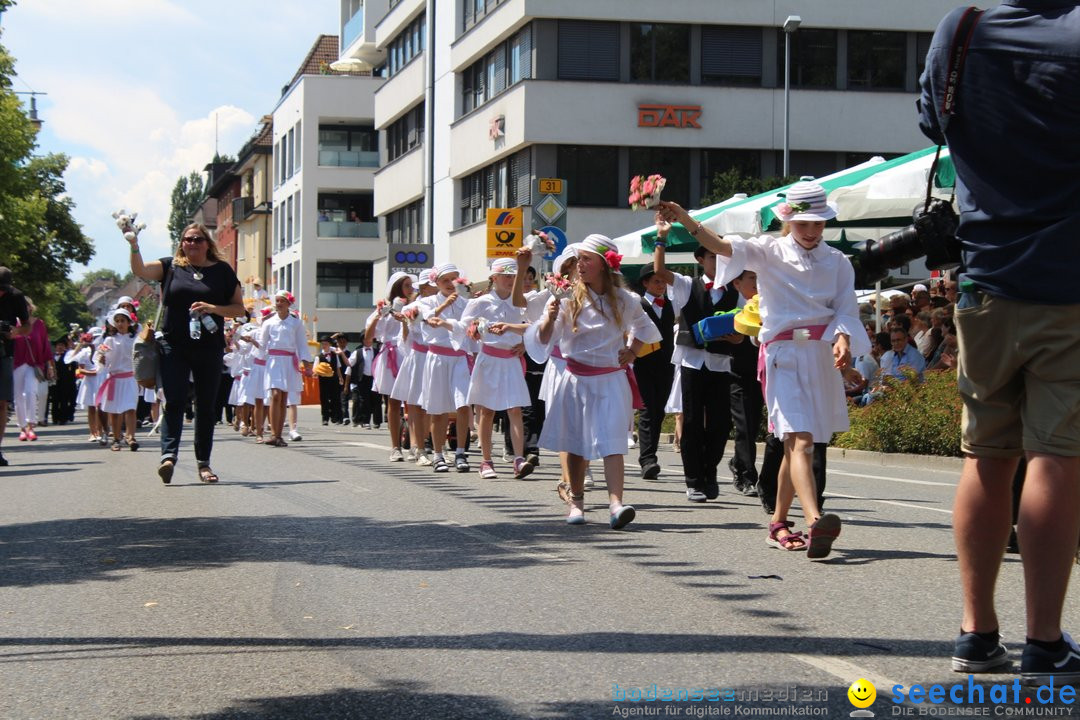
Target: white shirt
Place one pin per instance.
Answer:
(453, 337)
(799, 288)
(387, 328)
(598, 339)
(287, 334)
(493, 308)
(687, 355)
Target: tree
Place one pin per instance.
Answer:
(731, 181)
(64, 306)
(187, 195)
(103, 274)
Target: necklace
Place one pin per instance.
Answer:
(196, 272)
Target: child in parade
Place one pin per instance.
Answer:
(284, 341)
(591, 402)
(86, 399)
(810, 329)
(409, 385)
(385, 326)
(119, 394)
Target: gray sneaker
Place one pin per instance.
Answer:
(972, 654)
(440, 465)
(396, 456)
(461, 463)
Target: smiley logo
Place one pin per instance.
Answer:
(862, 693)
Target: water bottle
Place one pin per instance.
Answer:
(969, 295)
(209, 323)
(194, 326)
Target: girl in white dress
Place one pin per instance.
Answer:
(284, 341)
(591, 403)
(385, 326)
(498, 377)
(83, 355)
(409, 385)
(119, 393)
(252, 394)
(810, 328)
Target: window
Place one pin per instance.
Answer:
(592, 174)
(877, 60)
(506, 183)
(922, 49)
(348, 146)
(405, 133)
(672, 163)
(588, 50)
(746, 163)
(731, 55)
(343, 284)
(813, 58)
(476, 10)
(809, 162)
(409, 43)
(289, 222)
(290, 149)
(406, 225)
(297, 219)
(299, 145)
(346, 215)
(660, 52)
(508, 63)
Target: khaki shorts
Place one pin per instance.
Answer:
(1019, 377)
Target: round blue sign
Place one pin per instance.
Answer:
(559, 237)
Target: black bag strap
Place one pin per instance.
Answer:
(161, 300)
(965, 30)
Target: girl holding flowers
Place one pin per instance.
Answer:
(385, 326)
(410, 380)
(119, 394)
(591, 402)
(809, 330)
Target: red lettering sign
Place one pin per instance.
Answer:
(676, 116)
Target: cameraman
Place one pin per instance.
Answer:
(1019, 355)
(14, 320)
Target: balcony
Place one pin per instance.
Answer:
(349, 158)
(348, 229)
(353, 29)
(242, 207)
(332, 300)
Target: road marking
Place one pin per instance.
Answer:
(887, 502)
(892, 479)
(496, 540)
(373, 446)
(848, 672)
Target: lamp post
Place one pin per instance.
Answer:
(790, 25)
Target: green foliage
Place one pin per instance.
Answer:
(60, 305)
(103, 274)
(733, 180)
(187, 195)
(910, 417)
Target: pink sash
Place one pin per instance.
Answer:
(390, 351)
(108, 388)
(503, 353)
(286, 353)
(418, 347)
(445, 351)
(260, 362)
(579, 368)
(816, 332)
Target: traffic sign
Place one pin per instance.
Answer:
(558, 237)
(503, 232)
(409, 257)
(549, 201)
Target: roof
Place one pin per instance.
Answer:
(322, 53)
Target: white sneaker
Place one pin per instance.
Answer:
(507, 456)
(411, 455)
(295, 436)
(588, 478)
(630, 441)
(396, 456)
(423, 461)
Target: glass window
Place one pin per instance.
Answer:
(746, 163)
(731, 55)
(290, 153)
(408, 44)
(813, 58)
(506, 183)
(344, 284)
(922, 49)
(672, 163)
(297, 224)
(660, 52)
(592, 174)
(877, 60)
(588, 50)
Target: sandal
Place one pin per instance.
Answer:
(792, 541)
(165, 470)
(822, 535)
(259, 440)
(133, 443)
(207, 475)
(116, 446)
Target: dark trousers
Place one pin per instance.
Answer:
(770, 471)
(62, 401)
(203, 365)
(746, 408)
(370, 403)
(330, 399)
(346, 393)
(223, 406)
(706, 397)
(654, 381)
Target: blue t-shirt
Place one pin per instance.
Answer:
(1015, 142)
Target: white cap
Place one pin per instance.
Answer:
(805, 201)
(919, 287)
(504, 266)
(445, 269)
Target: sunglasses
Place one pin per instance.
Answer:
(194, 239)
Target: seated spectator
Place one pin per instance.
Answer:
(854, 383)
(920, 333)
(920, 298)
(944, 357)
(902, 355)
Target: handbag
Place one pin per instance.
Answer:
(39, 374)
(145, 352)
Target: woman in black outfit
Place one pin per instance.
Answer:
(199, 290)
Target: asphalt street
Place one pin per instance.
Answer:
(321, 580)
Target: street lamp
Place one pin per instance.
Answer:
(790, 25)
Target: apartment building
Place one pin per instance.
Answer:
(252, 210)
(597, 91)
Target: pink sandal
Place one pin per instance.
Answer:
(793, 541)
(822, 535)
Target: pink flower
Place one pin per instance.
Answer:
(649, 187)
(461, 281)
(635, 183)
(614, 259)
(635, 198)
(783, 209)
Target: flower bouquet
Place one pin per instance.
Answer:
(537, 240)
(410, 313)
(645, 191)
(559, 286)
(477, 328)
(383, 308)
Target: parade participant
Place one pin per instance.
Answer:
(654, 372)
(119, 393)
(341, 349)
(410, 380)
(810, 327)
(330, 385)
(252, 395)
(63, 392)
(591, 402)
(199, 291)
(384, 325)
(746, 399)
(14, 316)
(498, 377)
(284, 341)
(32, 367)
(82, 355)
(446, 370)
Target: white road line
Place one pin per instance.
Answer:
(848, 672)
(891, 479)
(500, 542)
(372, 446)
(829, 493)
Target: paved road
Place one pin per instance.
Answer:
(322, 581)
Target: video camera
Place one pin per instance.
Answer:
(932, 233)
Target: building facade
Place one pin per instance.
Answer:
(595, 92)
(253, 209)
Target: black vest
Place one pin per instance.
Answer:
(700, 306)
(665, 323)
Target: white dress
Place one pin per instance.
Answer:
(588, 414)
(801, 288)
(89, 384)
(409, 384)
(118, 391)
(446, 369)
(498, 383)
(555, 364)
(387, 364)
(252, 367)
(285, 344)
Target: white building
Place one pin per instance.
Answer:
(597, 91)
(326, 240)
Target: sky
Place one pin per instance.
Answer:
(136, 87)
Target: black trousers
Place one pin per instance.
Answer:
(654, 381)
(330, 399)
(370, 403)
(346, 393)
(747, 405)
(197, 368)
(770, 471)
(223, 405)
(706, 397)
